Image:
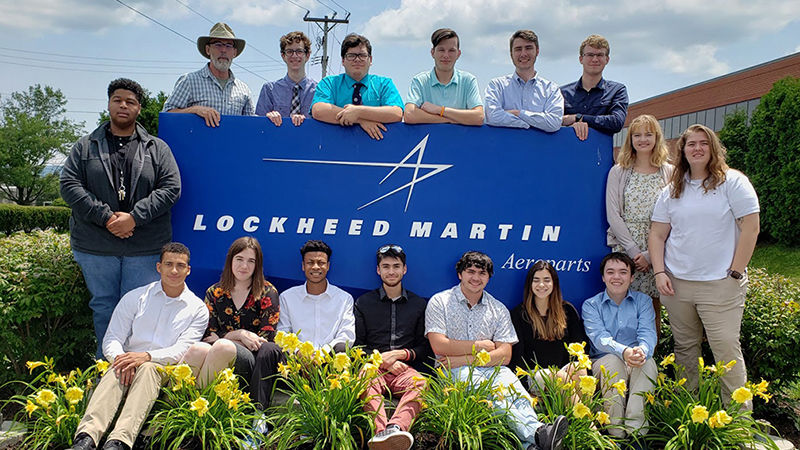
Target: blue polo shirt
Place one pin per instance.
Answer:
(604, 107)
(460, 92)
(338, 90)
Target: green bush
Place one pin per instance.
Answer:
(43, 305)
(15, 218)
(770, 333)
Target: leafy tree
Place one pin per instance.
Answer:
(734, 136)
(33, 130)
(148, 117)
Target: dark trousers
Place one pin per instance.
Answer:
(260, 368)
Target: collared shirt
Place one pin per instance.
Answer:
(612, 328)
(147, 320)
(338, 90)
(385, 324)
(202, 88)
(277, 96)
(325, 319)
(460, 92)
(259, 315)
(604, 107)
(538, 100)
(449, 313)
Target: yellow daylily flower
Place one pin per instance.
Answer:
(245, 397)
(223, 390)
(291, 343)
(522, 372)
(376, 358)
(358, 354)
(699, 414)
(335, 384)
(74, 395)
(233, 403)
(700, 363)
(370, 370)
(621, 387)
(534, 402)
(580, 410)
(575, 348)
(200, 406)
(667, 403)
(30, 408)
(284, 369)
(102, 366)
(668, 360)
(483, 358)
(279, 338)
(681, 382)
(34, 364)
(341, 361)
(584, 362)
(742, 395)
(306, 349)
(650, 398)
(719, 419)
(227, 375)
(588, 384)
(182, 372)
(45, 397)
(602, 418)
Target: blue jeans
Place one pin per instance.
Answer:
(523, 417)
(108, 279)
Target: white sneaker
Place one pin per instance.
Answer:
(261, 429)
(392, 438)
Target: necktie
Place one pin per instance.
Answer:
(296, 99)
(357, 93)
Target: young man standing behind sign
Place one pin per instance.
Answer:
(291, 95)
(356, 96)
(445, 94)
(318, 311)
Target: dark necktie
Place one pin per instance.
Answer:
(296, 99)
(357, 93)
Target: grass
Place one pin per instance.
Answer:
(778, 259)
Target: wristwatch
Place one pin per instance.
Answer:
(734, 274)
(578, 117)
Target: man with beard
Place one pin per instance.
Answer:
(391, 319)
(213, 90)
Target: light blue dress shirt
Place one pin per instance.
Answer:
(460, 92)
(338, 90)
(277, 96)
(538, 100)
(202, 88)
(612, 328)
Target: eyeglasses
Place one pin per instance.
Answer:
(386, 248)
(594, 55)
(291, 52)
(221, 45)
(356, 56)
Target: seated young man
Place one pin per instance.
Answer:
(316, 310)
(391, 319)
(151, 326)
(356, 96)
(620, 324)
(466, 317)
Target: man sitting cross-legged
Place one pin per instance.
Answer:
(151, 326)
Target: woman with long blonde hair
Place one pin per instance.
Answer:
(633, 186)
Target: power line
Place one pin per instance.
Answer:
(340, 6)
(72, 69)
(323, 4)
(192, 10)
(295, 4)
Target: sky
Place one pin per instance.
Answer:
(79, 46)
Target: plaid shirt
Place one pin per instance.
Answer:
(449, 313)
(202, 88)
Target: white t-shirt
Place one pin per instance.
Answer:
(704, 233)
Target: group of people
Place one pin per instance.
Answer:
(523, 99)
(681, 236)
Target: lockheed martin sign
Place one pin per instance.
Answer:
(436, 190)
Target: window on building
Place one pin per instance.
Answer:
(676, 127)
(684, 122)
(692, 118)
(709, 122)
(719, 120)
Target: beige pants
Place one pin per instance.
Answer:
(109, 396)
(716, 306)
(628, 412)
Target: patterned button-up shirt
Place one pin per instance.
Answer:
(202, 88)
(259, 315)
(449, 313)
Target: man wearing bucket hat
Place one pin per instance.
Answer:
(213, 90)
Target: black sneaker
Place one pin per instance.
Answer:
(83, 442)
(115, 444)
(550, 435)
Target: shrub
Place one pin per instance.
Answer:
(43, 305)
(15, 218)
(53, 403)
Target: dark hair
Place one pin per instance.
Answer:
(128, 85)
(391, 251)
(316, 246)
(174, 247)
(556, 324)
(475, 259)
(528, 35)
(354, 40)
(295, 36)
(618, 256)
(442, 34)
(227, 281)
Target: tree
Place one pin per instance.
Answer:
(734, 136)
(33, 130)
(148, 117)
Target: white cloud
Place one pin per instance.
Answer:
(679, 36)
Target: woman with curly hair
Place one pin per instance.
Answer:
(704, 229)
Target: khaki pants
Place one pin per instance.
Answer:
(625, 411)
(716, 306)
(110, 396)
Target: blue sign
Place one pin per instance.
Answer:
(436, 190)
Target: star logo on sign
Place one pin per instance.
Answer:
(418, 150)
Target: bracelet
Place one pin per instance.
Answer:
(663, 271)
(408, 354)
(441, 114)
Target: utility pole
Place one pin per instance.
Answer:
(327, 25)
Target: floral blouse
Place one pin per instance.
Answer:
(257, 315)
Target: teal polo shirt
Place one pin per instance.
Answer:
(460, 92)
(338, 90)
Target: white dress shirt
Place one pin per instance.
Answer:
(325, 319)
(147, 320)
